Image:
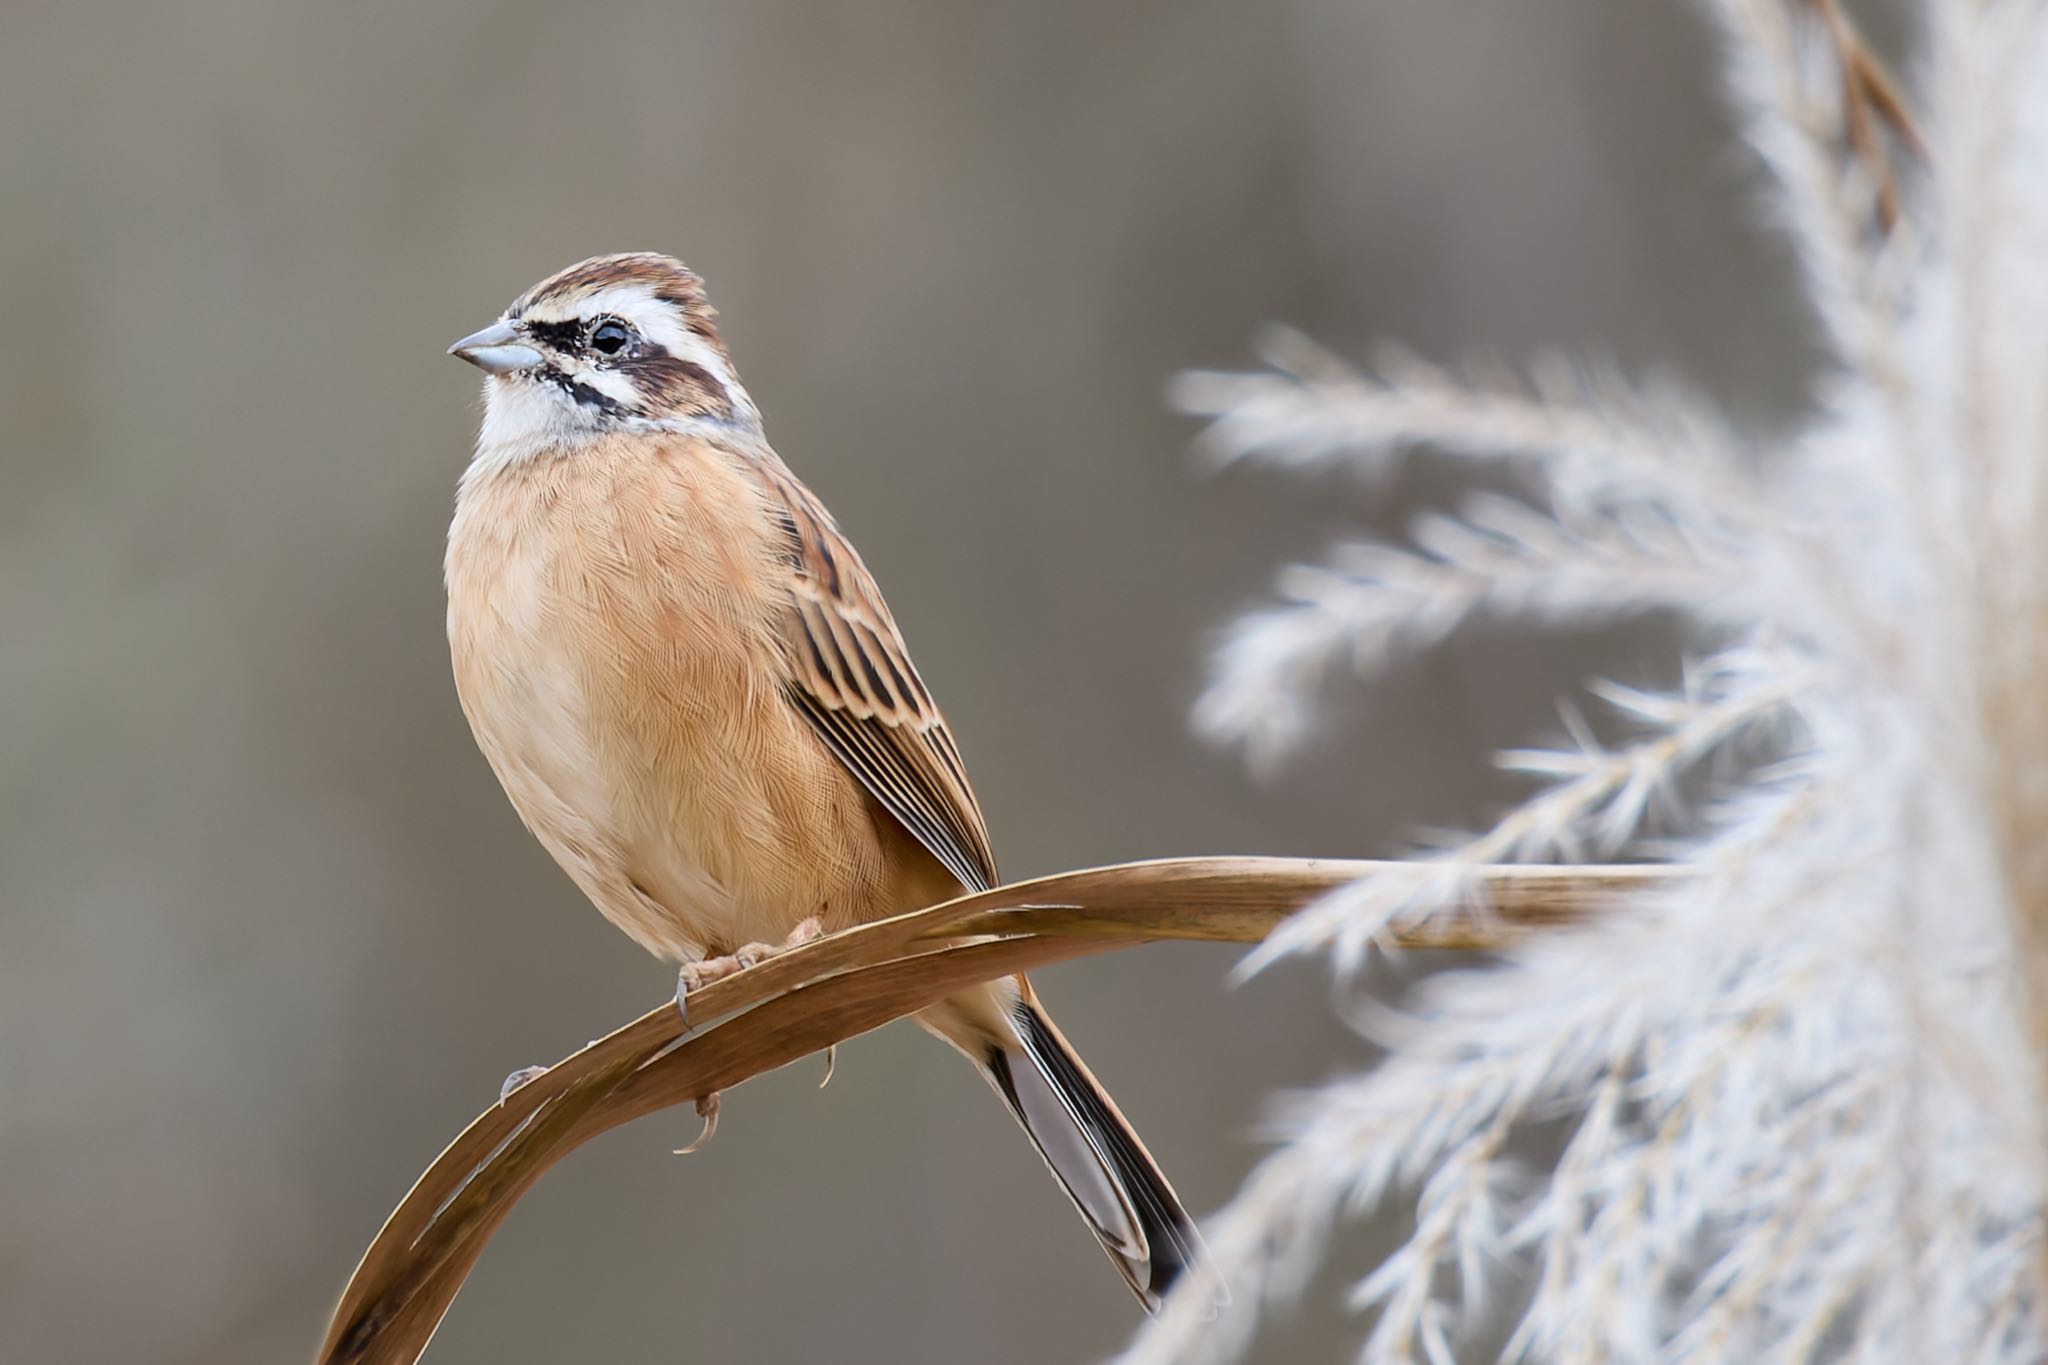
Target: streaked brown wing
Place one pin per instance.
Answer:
(853, 680)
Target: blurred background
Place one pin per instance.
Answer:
(269, 932)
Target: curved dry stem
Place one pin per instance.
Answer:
(837, 987)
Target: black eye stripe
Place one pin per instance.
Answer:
(605, 337)
(561, 335)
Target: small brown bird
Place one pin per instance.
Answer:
(691, 689)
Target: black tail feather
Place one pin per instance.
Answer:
(1137, 1198)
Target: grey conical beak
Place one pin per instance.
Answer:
(496, 350)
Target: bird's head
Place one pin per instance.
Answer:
(626, 342)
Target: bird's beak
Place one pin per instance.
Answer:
(496, 350)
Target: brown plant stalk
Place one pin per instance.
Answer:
(848, 983)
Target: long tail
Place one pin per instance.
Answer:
(1120, 1191)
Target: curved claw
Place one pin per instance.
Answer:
(707, 1109)
(683, 985)
(831, 1061)
(517, 1079)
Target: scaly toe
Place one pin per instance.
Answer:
(695, 976)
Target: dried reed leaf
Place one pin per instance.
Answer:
(836, 988)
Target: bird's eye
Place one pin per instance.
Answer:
(610, 337)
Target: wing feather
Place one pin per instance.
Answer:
(852, 678)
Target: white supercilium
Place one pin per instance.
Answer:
(1789, 1104)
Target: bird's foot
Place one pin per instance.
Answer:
(707, 1109)
(752, 954)
(697, 975)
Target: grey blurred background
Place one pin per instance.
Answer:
(269, 933)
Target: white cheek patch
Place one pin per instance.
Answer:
(610, 383)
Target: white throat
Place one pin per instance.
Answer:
(526, 419)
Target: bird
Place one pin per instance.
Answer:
(691, 689)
